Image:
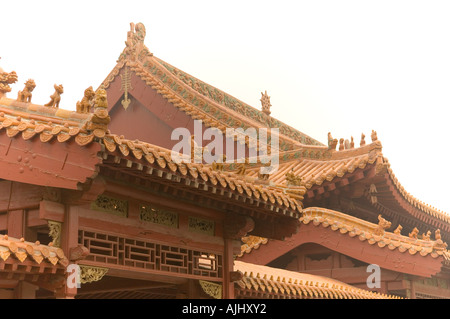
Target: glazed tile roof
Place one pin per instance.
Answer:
(250, 243)
(30, 121)
(365, 231)
(267, 281)
(20, 250)
(317, 165)
(282, 196)
(198, 99)
(314, 163)
(371, 233)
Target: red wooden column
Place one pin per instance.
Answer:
(235, 227)
(15, 223)
(228, 267)
(412, 290)
(69, 240)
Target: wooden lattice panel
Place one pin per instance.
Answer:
(144, 254)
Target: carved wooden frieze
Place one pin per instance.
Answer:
(111, 205)
(55, 232)
(90, 274)
(158, 216)
(211, 289)
(202, 226)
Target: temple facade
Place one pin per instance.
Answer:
(103, 202)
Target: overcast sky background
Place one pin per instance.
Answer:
(344, 67)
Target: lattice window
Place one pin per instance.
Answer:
(200, 225)
(145, 254)
(111, 205)
(158, 216)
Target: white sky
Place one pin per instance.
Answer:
(341, 66)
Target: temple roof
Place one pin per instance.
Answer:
(363, 230)
(316, 166)
(267, 281)
(301, 155)
(200, 100)
(368, 234)
(239, 183)
(89, 139)
(36, 120)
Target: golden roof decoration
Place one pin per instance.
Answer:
(55, 98)
(332, 142)
(265, 103)
(100, 119)
(200, 100)
(7, 78)
(26, 94)
(374, 136)
(134, 45)
(292, 179)
(86, 103)
(363, 141)
(30, 121)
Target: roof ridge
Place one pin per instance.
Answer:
(426, 208)
(231, 103)
(137, 54)
(373, 233)
(41, 113)
(163, 157)
(274, 280)
(364, 230)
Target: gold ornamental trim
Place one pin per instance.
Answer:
(212, 289)
(90, 274)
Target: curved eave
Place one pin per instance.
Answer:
(41, 145)
(267, 282)
(429, 210)
(317, 165)
(155, 161)
(358, 239)
(42, 265)
(239, 109)
(322, 170)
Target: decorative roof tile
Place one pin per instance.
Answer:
(371, 233)
(266, 281)
(32, 121)
(238, 183)
(365, 231)
(22, 250)
(315, 165)
(198, 99)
